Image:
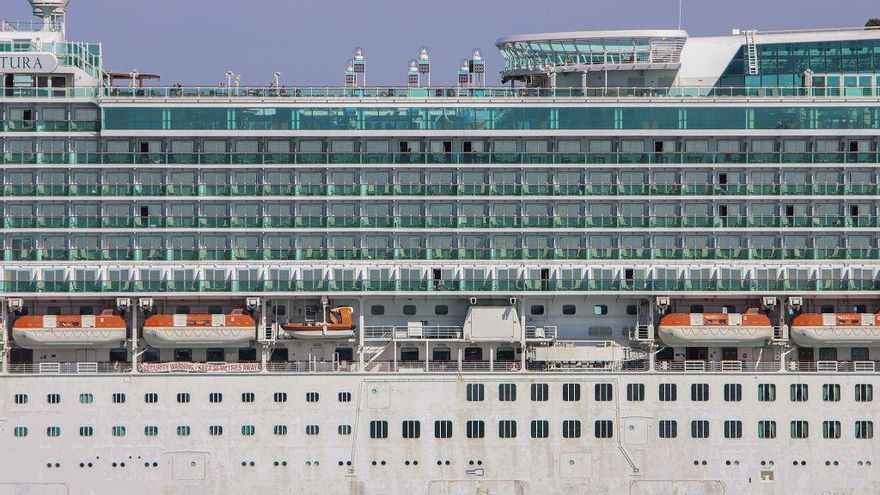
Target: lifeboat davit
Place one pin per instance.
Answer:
(338, 324)
(237, 329)
(836, 329)
(105, 330)
(749, 329)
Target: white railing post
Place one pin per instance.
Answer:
(134, 335)
(361, 330)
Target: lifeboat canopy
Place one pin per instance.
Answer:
(104, 330)
(836, 330)
(236, 329)
(749, 329)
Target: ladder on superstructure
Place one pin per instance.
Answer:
(752, 52)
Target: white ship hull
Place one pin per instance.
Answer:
(633, 461)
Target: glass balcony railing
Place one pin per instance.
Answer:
(443, 222)
(430, 158)
(463, 253)
(484, 93)
(639, 285)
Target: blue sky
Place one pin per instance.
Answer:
(197, 41)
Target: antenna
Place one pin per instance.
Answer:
(412, 75)
(680, 5)
(51, 12)
(360, 66)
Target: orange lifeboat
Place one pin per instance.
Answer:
(836, 329)
(749, 329)
(106, 329)
(237, 329)
(338, 324)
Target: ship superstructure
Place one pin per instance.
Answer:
(648, 265)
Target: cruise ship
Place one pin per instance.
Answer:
(646, 264)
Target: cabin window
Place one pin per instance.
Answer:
(151, 398)
(668, 392)
(766, 392)
(53, 398)
(728, 309)
(150, 356)
(699, 392)
(215, 397)
(699, 428)
(668, 428)
(86, 398)
(21, 398)
(183, 431)
(313, 396)
(733, 429)
(505, 354)
(475, 428)
(344, 354)
(476, 392)
(343, 429)
(411, 429)
(860, 354)
(831, 429)
(635, 392)
(183, 355)
(247, 354)
(344, 396)
(183, 398)
(118, 431)
(827, 308)
(864, 430)
(600, 309)
(800, 429)
(182, 310)
(799, 392)
(696, 308)
(409, 353)
(767, 429)
(831, 392)
(279, 355)
(569, 309)
(571, 428)
(864, 392)
(248, 430)
(86, 310)
(732, 392)
(118, 355)
(378, 429)
(604, 392)
(215, 430)
(279, 430)
(473, 354)
(540, 392)
(118, 398)
(55, 431)
(860, 308)
(409, 310)
(540, 428)
(536, 310)
(279, 397)
(443, 428)
(441, 310)
(20, 431)
(86, 431)
(603, 428)
(632, 310)
(507, 428)
(571, 392)
(151, 431)
(312, 429)
(248, 397)
(441, 354)
(215, 355)
(377, 310)
(507, 392)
